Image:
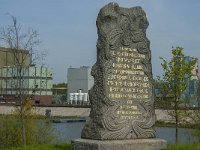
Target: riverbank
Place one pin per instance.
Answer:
(52, 111)
(180, 125)
(60, 114)
(67, 129)
(161, 115)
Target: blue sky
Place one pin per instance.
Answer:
(67, 28)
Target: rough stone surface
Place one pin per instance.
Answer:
(122, 102)
(137, 144)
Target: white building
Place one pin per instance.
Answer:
(79, 82)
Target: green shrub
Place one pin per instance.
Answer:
(37, 131)
(10, 132)
(45, 133)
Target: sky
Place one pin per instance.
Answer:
(67, 28)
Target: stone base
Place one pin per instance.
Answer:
(136, 144)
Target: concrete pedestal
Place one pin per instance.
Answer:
(137, 144)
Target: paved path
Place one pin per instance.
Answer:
(55, 111)
(72, 111)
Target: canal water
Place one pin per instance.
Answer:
(69, 131)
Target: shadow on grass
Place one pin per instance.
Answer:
(62, 147)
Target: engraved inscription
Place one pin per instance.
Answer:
(127, 80)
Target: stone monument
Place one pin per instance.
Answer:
(122, 100)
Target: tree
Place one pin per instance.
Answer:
(59, 89)
(162, 96)
(177, 73)
(59, 93)
(22, 45)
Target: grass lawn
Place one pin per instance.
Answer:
(43, 147)
(184, 147)
(67, 147)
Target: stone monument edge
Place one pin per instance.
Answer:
(130, 144)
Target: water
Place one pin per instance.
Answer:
(70, 131)
(185, 135)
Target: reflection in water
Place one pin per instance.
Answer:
(70, 131)
(184, 135)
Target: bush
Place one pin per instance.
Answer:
(10, 132)
(38, 131)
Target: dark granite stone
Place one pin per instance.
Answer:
(137, 144)
(122, 102)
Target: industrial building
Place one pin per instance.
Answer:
(8, 57)
(79, 82)
(35, 81)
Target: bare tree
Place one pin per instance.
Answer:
(22, 45)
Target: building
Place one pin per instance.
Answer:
(190, 93)
(79, 81)
(35, 81)
(8, 57)
(78, 98)
(195, 71)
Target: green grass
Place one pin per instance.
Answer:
(43, 147)
(67, 147)
(184, 147)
